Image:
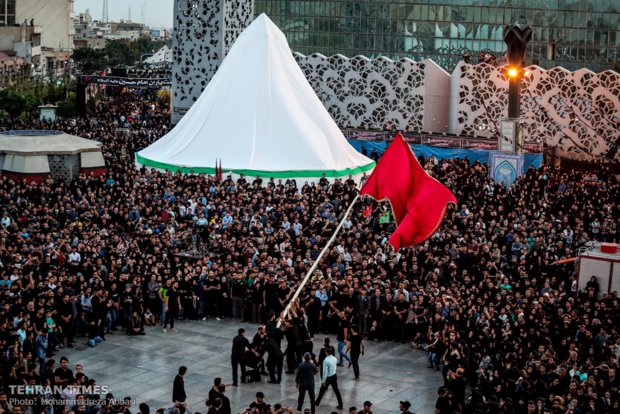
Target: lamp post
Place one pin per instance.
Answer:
(516, 37)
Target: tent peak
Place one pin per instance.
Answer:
(260, 117)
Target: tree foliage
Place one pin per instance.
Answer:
(116, 53)
(24, 98)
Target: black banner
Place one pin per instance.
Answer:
(127, 82)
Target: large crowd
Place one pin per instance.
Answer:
(482, 296)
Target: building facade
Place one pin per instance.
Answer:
(568, 33)
(204, 32)
(55, 18)
(41, 33)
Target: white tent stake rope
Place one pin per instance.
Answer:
(316, 262)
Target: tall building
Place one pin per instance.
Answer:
(204, 32)
(41, 32)
(55, 18)
(568, 33)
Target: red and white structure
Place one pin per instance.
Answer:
(35, 155)
(603, 261)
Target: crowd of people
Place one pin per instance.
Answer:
(482, 296)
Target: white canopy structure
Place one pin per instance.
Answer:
(260, 117)
(161, 57)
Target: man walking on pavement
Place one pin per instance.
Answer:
(305, 382)
(343, 337)
(178, 386)
(355, 347)
(239, 345)
(329, 377)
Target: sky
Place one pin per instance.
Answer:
(157, 13)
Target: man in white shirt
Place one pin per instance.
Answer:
(329, 377)
(75, 258)
(6, 220)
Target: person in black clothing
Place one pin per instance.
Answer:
(238, 292)
(214, 391)
(260, 403)
(258, 344)
(270, 297)
(443, 405)
(240, 344)
(135, 325)
(63, 376)
(66, 320)
(275, 360)
(293, 346)
(213, 294)
(342, 338)
(363, 310)
(401, 308)
(404, 407)
(225, 405)
(283, 293)
(178, 386)
(214, 406)
(305, 382)
(355, 348)
(99, 310)
(389, 318)
(253, 359)
(456, 385)
(304, 337)
(173, 304)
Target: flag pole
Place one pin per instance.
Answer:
(316, 262)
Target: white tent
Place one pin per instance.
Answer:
(161, 57)
(260, 117)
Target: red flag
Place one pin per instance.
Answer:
(419, 201)
(368, 210)
(220, 174)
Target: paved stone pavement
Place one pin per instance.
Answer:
(144, 367)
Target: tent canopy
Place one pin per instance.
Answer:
(162, 56)
(260, 117)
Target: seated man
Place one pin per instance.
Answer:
(136, 324)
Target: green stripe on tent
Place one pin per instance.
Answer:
(252, 173)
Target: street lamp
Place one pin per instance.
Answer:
(513, 72)
(516, 37)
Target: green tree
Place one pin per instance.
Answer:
(89, 60)
(16, 103)
(116, 53)
(66, 107)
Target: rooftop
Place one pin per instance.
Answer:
(34, 142)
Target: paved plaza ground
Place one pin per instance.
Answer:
(144, 367)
